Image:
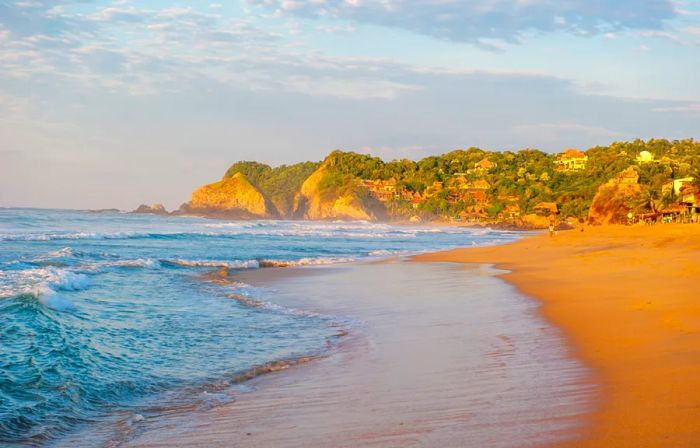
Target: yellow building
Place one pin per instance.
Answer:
(674, 186)
(481, 185)
(484, 165)
(571, 160)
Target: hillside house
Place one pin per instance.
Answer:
(511, 211)
(484, 166)
(674, 186)
(690, 198)
(477, 190)
(433, 189)
(459, 180)
(480, 185)
(417, 200)
(383, 190)
(571, 160)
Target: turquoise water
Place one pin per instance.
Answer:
(109, 314)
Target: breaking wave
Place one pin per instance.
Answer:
(45, 284)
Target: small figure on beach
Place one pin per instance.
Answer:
(551, 229)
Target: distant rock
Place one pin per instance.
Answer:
(155, 209)
(231, 198)
(105, 210)
(614, 199)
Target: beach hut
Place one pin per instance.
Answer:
(673, 213)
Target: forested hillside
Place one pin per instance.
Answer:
(490, 185)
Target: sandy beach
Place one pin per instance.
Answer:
(437, 354)
(591, 341)
(627, 298)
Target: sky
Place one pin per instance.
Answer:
(117, 103)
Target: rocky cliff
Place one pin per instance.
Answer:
(233, 198)
(320, 199)
(615, 199)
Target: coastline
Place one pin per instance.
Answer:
(626, 298)
(416, 369)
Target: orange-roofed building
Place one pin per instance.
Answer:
(571, 160)
(481, 185)
(484, 165)
(512, 211)
(417, 200)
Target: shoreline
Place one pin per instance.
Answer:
(461, 381)
(497, 225)
(626, 300)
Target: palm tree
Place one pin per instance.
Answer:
(648, 201)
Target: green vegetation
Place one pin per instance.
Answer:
(279, 184)
(444, 185)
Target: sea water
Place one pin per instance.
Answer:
(112, 315)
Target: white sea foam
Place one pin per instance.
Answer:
(351, 230)
(60, 253)
(235, 264)
(136, 263)
(68, 281)
(254, 264)
(50, 298)
(312, 261)
(44, 284)
(387, 253)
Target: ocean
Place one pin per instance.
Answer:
(109, 318)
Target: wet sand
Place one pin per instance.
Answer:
(437, 354)
(628, 299)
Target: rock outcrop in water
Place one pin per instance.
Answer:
(612, 202)
(232, 198)
(155, 209)
(320, 199)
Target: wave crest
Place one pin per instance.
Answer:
(44, 284)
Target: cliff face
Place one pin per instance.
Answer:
(614, 199)
(233, 197)
(279, 184)
(316, 202)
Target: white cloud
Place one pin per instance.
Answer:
(505, 20)
(336, 29)
(692, 108)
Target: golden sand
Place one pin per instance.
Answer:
(628, 298)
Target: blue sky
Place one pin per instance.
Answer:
(114, 103)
